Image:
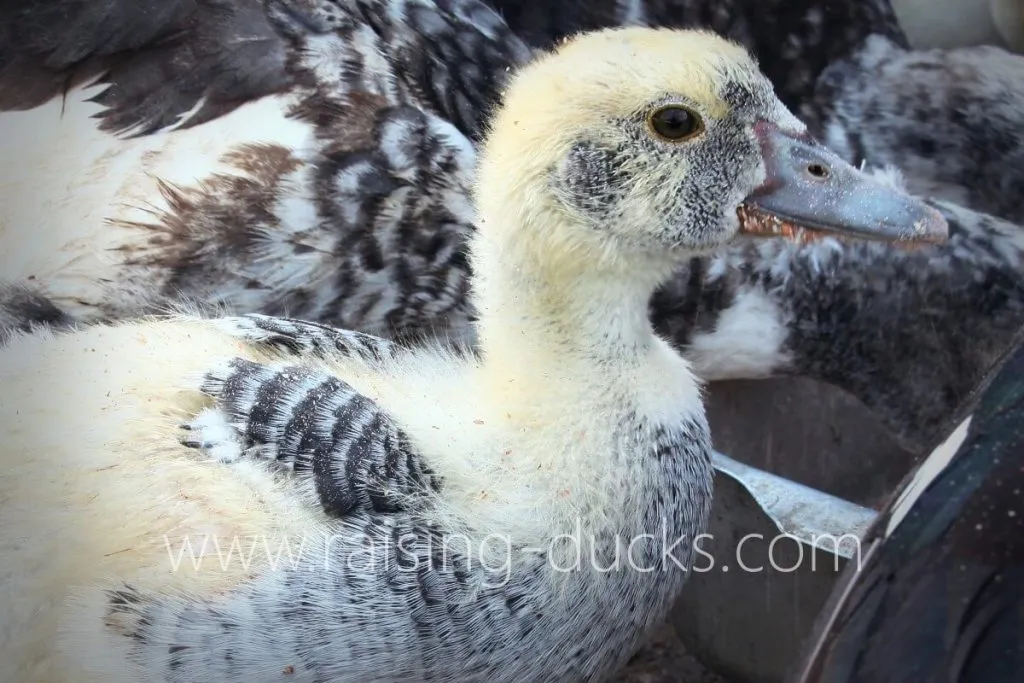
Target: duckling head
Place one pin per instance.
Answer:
(658, 144)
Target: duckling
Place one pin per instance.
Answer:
(601, 174)
(937, 593)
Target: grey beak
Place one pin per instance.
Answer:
(812, 188)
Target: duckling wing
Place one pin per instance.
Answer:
(313, 424)
(307, 421)
(301, 338)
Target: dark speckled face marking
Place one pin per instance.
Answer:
(589, 179)
(697, 182)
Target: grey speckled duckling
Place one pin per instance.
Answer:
(421, 494)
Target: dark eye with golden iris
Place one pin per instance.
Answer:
(675, 123)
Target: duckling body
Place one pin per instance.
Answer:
(939, 595)
(363, 565)
(573, 418)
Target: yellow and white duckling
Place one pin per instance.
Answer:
(337, 508)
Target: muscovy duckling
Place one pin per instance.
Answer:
(938, 592)
(602, 173)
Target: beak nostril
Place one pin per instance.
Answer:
(818, 171)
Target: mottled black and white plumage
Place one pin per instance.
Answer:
(306, 157)
(939, 595)
(949, 119)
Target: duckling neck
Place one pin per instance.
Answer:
(539, 313)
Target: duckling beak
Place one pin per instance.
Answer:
(810, 192)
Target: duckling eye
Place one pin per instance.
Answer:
(675, 123)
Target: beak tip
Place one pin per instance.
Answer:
(932, 227)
